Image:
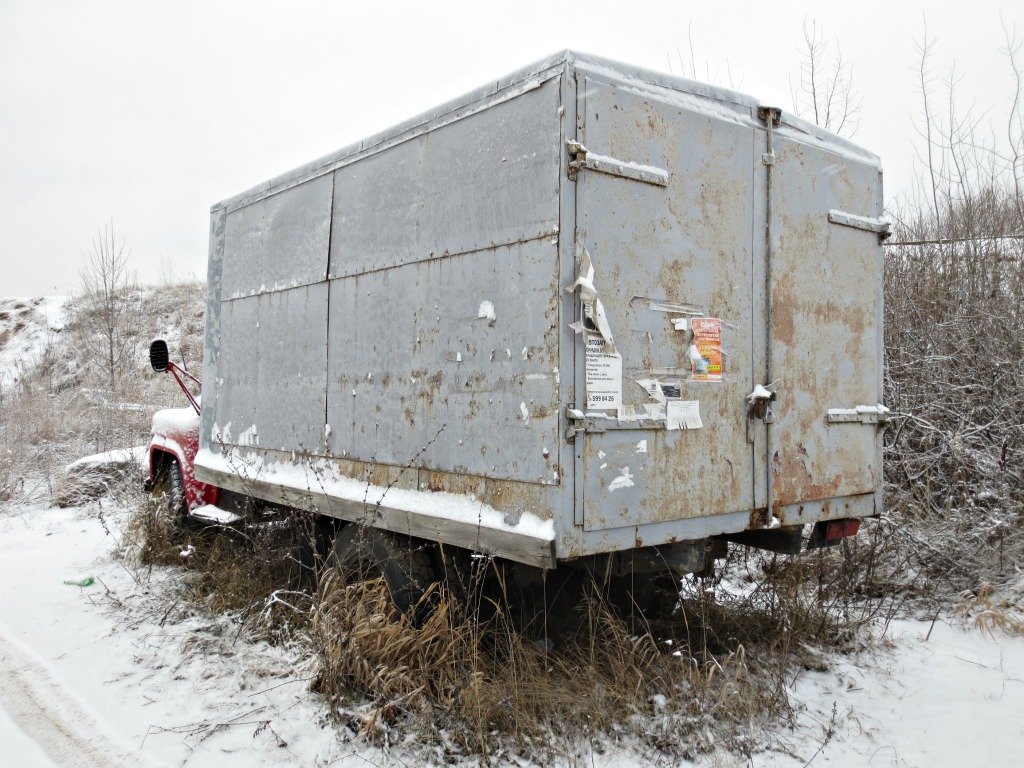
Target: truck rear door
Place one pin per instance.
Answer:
(825, 340)
(664, 216)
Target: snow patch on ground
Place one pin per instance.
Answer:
(162, 688)
(26, 328)
(954, 697)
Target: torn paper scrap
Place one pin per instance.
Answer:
(683, 414)
(760, 393)
(654, 410)
(653, 388)
(592, 306)
(486, 312)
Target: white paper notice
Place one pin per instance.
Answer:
(604, 375)
(683, 414)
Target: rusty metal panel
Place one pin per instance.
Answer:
(450, 364)
(212, 335)
(661, 255)
(399, 308)
(826, 329)
(486, 180)
(280, 241)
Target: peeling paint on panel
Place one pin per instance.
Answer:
(624, 480)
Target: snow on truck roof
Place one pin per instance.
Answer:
(693, 95)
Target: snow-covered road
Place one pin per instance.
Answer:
(42, 722)
(84, 684)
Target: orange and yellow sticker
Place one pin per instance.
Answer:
(707, 337)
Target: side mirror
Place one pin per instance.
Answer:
(159, 357)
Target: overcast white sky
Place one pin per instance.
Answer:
(147, 113)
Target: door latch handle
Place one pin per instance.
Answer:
(759, 404)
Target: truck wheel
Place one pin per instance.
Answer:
(361, 552)
(169, 488)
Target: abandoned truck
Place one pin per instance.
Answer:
(586, 313)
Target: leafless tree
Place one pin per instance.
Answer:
(824, 93)
(108, 314)
(688, 66)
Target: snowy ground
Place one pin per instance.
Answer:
(85, 683)
(26, 326)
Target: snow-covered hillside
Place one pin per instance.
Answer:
(27, 327)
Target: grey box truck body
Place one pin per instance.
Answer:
(585, 309)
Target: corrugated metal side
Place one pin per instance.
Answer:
(444, 298)
(278, 242)
(400, 304)
(212, 333)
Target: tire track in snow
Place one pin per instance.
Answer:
(49, 714)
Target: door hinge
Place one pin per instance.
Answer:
(580, 158)
(877, 224)
(772, 117)
(862, 414)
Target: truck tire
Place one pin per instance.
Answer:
(169, 488)
(361, 552)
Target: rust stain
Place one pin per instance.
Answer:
(793, 479)
(783, 309)
(758, 518)
(514, 497)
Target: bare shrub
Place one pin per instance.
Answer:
(824, 92)
(109, 311)
(954, 325)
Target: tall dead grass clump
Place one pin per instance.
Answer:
(492, 687)
(251, 572)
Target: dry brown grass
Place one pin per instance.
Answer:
(251, 572)
(990, 612)
(491, 688)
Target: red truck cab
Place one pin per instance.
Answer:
(174, 443)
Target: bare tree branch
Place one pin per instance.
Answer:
(827, 99)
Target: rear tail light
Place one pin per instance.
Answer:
(828, 533)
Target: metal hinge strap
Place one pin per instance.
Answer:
(878, 225)
(582, 159)
(862, 414)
